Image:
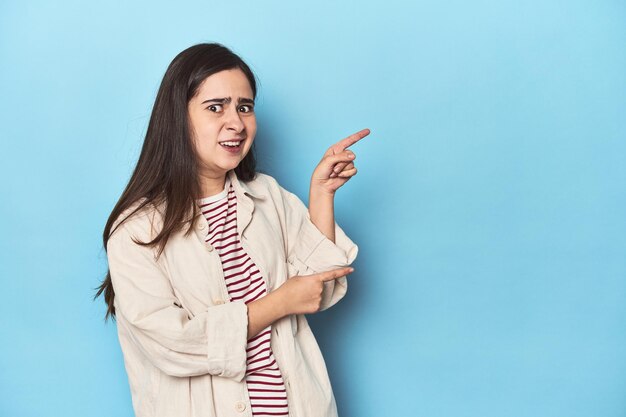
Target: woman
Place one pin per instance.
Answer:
(212, 266)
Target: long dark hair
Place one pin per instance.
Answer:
(167, 171)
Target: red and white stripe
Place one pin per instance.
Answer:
(266, 387)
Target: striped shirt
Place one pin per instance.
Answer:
(266, 387)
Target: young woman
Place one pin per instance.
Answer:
(212, 265)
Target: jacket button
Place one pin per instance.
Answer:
(218, 302)
(209, 247)
(240, 406)
(201, 225)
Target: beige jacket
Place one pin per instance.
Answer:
(184, 343)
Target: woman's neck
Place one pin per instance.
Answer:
(211, 185)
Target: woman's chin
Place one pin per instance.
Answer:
(229, 166)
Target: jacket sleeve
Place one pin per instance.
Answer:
(213, 342)
(309, 251)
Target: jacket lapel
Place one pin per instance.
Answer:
(245, 202)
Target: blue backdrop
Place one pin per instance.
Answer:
(489, 207)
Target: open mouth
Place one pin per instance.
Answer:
(232, 146)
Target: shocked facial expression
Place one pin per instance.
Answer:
(222, 122)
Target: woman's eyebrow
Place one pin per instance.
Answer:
(228, 100)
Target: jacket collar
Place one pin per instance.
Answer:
(242, 190)
(246, 196)
(242, 187)
(245, 207)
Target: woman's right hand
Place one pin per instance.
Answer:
(303, 294)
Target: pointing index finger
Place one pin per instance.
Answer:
(336, 273)
(351, 140)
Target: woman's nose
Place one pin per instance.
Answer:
(234, 121)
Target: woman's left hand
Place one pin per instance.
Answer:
(337, 165)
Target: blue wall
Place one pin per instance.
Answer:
(489, 207)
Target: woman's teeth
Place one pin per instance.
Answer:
(232, 144)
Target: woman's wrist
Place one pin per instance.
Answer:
(265, 311)
(279, 302)
(316, 191)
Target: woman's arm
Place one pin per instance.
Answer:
(297, 295)
(148, 311)
(333, 171)
(322, 211)
(310, 251)
(265, 311)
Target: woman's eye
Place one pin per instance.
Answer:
(215, 107)
(246, 108)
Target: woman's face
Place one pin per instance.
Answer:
(222, 115)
